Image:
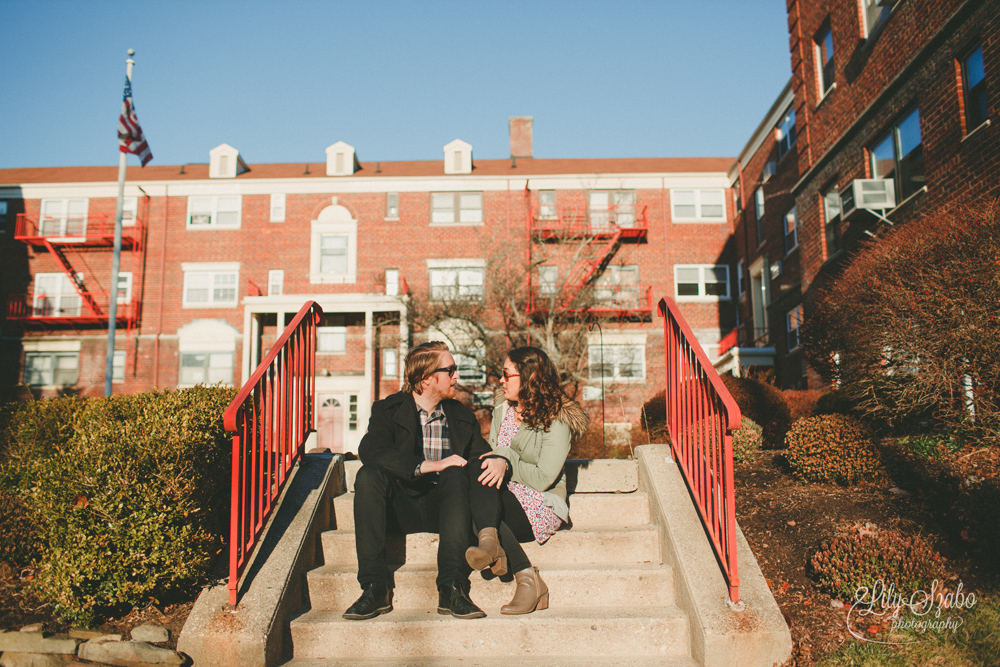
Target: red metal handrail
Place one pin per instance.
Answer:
(96, 227)
(701, 418)
(69, 307)
(272, 415)
(582, 221)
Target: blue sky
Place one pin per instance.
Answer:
(282, 80)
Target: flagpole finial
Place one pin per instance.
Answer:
(131, 52)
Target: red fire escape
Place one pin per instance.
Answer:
(603, 231)
(73, 304)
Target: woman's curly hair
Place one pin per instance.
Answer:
(540, 395)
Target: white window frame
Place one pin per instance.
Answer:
(130, 211)
(321, 229)
(62, 220)
(459, 268)
(786, 134)
(277, 208)
(209, 205)
(548, 280)
(697, 196)
(390, 362)
(703, 273)
(118, 367)
(741, 283)
(824, 87)
(54, 360)
(275, 282)
(617, 287)
(212, 360)
(758, 202)
(613, 354)
(867, 7)
(793, 327)
(795, 230)
(124, 280)
(392, 206)
(331, 340)
(55, 306)
(392, 282)
(461, 213)
(208, 272)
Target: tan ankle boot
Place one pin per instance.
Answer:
(531, 593)
(489, 553)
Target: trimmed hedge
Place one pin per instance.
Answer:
(763, 404)
(834, 448)
(134, 506)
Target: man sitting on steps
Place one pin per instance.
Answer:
(413, 478)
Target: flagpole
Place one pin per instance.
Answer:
(109, 367)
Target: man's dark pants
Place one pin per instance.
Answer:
(383, 503)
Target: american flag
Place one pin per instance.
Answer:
(129, 133)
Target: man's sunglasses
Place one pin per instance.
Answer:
(450, 370)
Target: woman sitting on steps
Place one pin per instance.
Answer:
(530, 437)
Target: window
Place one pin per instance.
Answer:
(449, 208)
(352, 412)
(617, 362)
(210, 212)
(331, 339)
(210, 288)
(124, 294)
(701, 282)
(3, 217)
(974, 89)
(55, 295)
(791, 231)
(786, 133)
(118, 366)
(899, 155)
(470, 370)
(698, 205)
(824, 60)
(206, 368)
(831, 214)
(457, 283)
(609, 207)
(392, 205)
(741, 284)
(275, 282)
(738, 196)
(278, 207)
(390, 362)
(392, 282)
(333, 253)
(875, 14)
(793, 323)
(618, 286)
(51, 369)
(130, 211)
(548, 280)
(547, 204)
(758, 201)
(64, 217)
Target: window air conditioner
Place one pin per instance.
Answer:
(770, 169)
(775, 269)
(867, 194)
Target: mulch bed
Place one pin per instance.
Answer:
(785, 520)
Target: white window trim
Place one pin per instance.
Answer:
(701, 284)
(445, 264)
(118, 354)
(51, 346)
(387, 196)
(593, 342)
(278, 201)
(795, 232)
(213, 225)
(698, 205)
(349, 229)
(127, 275)
(456, 195)
(337, 329)
(798, 329)
(130, 204)
(394, 353)
(51, 353)
(210, 267)
(275, 277)
(65, 214)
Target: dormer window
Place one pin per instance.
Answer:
(458, 158)
(341, 160)
(225, 162)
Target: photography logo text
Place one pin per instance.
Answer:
(906, 614)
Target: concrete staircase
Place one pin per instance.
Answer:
(611, 601)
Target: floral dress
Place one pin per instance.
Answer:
(544, 521)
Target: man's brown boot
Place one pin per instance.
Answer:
(489, 553)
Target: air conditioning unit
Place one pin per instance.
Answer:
(868, 195)
(770, 169)
(776, 269)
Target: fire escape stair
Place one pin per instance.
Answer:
(78, 285)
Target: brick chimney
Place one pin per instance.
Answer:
(520, 136)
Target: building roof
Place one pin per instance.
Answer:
(422, 168)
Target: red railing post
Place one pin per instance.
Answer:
(271, 417)
(701, 418)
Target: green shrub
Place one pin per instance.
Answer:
(38, 428)
(833, 448)
(747, 440)
(21, 543)
(135, 505)
(834, 402)
(865, 554)
(763, 404)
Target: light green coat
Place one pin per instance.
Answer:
(537, 458)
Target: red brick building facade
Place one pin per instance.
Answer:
(880, 90)
(217, 257)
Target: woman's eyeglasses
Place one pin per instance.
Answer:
(507, 375)
(450, 370)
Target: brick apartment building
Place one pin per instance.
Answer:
(903, 90)
(218, 257)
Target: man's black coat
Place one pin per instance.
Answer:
(394, 440)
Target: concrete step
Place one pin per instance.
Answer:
(637, 584)
(499, 661)
(590, 476)
(586, 510)
(575, 631)
(599, 545)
